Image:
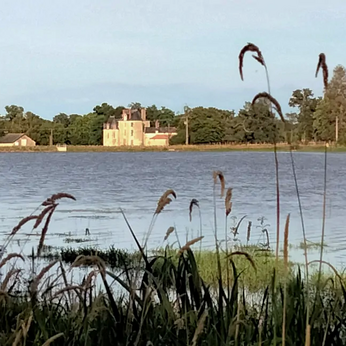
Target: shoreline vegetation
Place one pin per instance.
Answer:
(284, 147)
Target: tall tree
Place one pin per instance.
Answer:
(13, 112)
(107, 111)
(62, 119)
(206, 125)
(135, 105)
(258, 124)
(165, 116)
(332, 108)
(305, 101)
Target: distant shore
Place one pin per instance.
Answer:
(175, 148)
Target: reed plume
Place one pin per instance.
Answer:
(44, 212)
(67, 289)
(9, 257)
(8, 276)
(89, 278)
(272, 100)
(45, 229)
(89, 260)
(228, 203)
(193, 202)
(164, 200)
(200, 326)
(53, 338)
(22, 223)
(250, 47)
(51, 200)
(248, 231)
(323, 65)
(219, 175)
(189, 244)
(169, 231)
(39, 277)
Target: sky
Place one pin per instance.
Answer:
(68, 56)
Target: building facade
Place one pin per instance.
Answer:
(133, 129)
(16, 139)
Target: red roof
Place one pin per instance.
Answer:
(160, 137)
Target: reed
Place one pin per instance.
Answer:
(248, 233)
(228, 203)
(45, 229)
(193, 203)
(170, 230)
(285, 282)
(323, 65)
(188, 245)
(218, 176)
(9, 257)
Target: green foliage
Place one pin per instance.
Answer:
(106, 111)
(306, 103)
(165, 116)
(331, 107)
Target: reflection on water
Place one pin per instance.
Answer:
(105, 182)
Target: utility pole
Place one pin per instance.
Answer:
(186, 123)
(336, 129)
(51, 138)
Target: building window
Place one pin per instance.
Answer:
(108, 135)
(131, 124)
(113, 134)
(131, 132)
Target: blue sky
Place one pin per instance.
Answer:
(68, 56)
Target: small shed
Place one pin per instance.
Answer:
(16, 139)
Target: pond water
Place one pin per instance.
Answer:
(105, 182)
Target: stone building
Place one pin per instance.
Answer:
(133, 129)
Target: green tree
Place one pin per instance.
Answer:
(258, 124)
(305, 101)
(206, 125)
(62, 119)
(107, 111)
(332, 107)
(95, 127)
(165, 116)
(79, 131)
(13, 112)
(2, 125)
(135, 105)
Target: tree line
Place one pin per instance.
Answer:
(314, 119)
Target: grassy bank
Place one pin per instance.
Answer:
(166, 301)
(256, 274)
(202, 147)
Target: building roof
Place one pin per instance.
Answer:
(160, 136)
(160, 130)
(11, 137)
